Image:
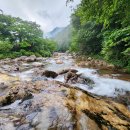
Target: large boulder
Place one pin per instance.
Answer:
(40, 59)
(59, 62)
(55, 54)
(107, 114)
(31, 58)
(3, 86)
(49, 74)
(72, 77)
(13, 95)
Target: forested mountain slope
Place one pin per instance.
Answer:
(63, 39)
(102, 28)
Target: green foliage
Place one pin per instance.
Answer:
(86, 38)
(18, 37)
(103, 25)
(116, 46)
(74, 47)
(103, 10)
(5, 46)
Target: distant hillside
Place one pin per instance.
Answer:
(63, 38)
(54, 32)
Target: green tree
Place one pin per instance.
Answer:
(25, 37)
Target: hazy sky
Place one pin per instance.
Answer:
(47, 13)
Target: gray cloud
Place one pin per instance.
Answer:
(43, 14)
(47, 13)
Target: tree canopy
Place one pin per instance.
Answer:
(102, 27)
(19, 37)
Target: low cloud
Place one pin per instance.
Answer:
(47, 13)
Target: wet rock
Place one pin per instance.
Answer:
(27, 96)
(73, 108)
(31, 58)
(123, 98)
(7, 126)
(67, 70)
(53, 118)
(23, 127)
(86, 81)
(89, 59)
(13, 95)
(6, 68)
(38, 64)
(40, 59)
(11, 106)
(55, 54)
(50, 74)
(35, 122)
(110, 66)
(39, 78)
(16, 67)
(59, 62)
(31, 116)
(106, 113)
(88, 64)
(3, 86)
(22, 58)
(71, 76)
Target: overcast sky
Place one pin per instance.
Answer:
(48, 13)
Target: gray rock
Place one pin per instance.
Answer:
(3, 86)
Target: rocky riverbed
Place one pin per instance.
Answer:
(58, 94)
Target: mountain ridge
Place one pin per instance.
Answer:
(54, 32)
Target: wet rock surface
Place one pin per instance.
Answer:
(39, 94)
(50, 74)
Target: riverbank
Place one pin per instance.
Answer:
(105, 69)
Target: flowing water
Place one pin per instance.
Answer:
(103, 85)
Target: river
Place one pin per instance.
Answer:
(45, 108)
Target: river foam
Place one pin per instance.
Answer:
(104, 86)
